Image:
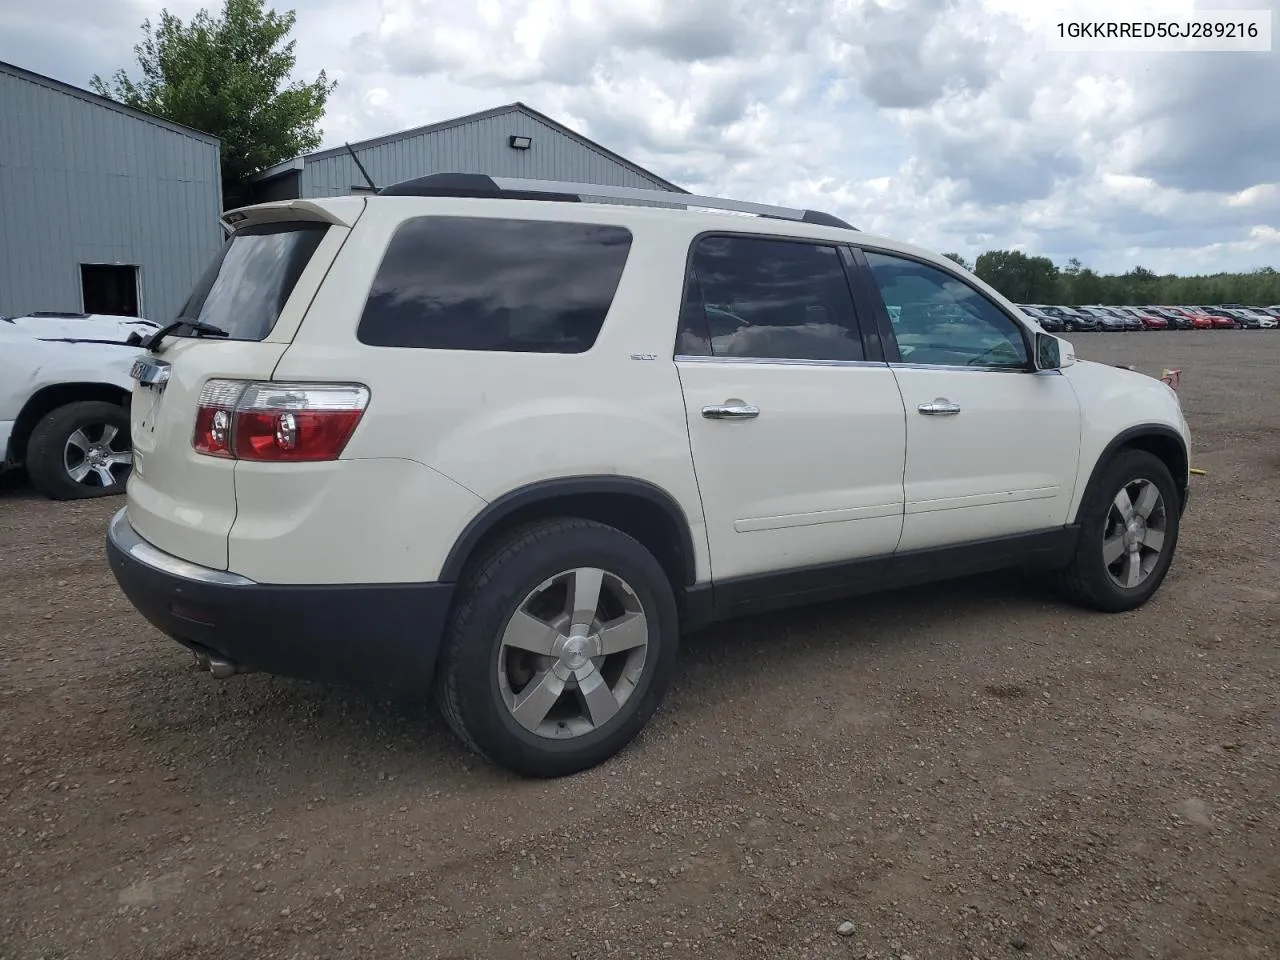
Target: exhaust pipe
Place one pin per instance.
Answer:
(220, 669)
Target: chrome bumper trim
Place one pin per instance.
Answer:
(126, 539)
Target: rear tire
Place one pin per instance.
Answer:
(533, 683)
(1123, 554)
(81, 450)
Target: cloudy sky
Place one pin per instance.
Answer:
(942, 122)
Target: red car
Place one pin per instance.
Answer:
(1149, 320)
(1200, 321)
(1221, 319)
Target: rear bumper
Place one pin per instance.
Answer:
(382, 636)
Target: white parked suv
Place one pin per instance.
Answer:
(493, 439)
(64, 400)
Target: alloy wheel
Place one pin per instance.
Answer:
(1134, 535)
(573, 653)
(97, 455)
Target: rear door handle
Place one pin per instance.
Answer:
(941, 407)
(731, 410)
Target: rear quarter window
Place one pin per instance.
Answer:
(480, 283)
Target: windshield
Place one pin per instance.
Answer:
(249, 281)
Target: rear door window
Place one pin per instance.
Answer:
(765, 299)
(482, 283)
(250, 280)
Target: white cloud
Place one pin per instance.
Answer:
(943, 122)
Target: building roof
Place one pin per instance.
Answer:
(90, 97)
(517, 107)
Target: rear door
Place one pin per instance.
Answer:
(256, 289)
(797, 437)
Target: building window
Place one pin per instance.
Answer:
(110, 288)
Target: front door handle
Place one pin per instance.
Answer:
(941, 407)
(731, 410)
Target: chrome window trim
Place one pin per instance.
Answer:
(903, 365)
(128, 541)
(784, 361)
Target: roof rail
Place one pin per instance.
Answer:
(514, 188)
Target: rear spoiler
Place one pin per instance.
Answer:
(340, 211)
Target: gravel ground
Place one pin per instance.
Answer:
(967, 770)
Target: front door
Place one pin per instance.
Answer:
(797, 439)
(992, 443)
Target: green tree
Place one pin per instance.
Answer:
(1021, 278)
(228, 76)
(955, 257)
(1088, 287)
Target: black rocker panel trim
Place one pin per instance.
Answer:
(834, 581)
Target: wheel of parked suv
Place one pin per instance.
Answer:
(563, 643)
(1128, 533)
(80, 450)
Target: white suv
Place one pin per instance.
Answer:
(506, 441)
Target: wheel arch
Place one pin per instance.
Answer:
(636, 507)
(49, 398)
(1157, 439)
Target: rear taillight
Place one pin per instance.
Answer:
(277, 422)
(213, 417)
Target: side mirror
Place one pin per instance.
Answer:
(1053, 353)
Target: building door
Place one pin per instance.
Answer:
(110, 288)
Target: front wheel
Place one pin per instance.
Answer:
(563, 644)
(1128, 533)
(81, 450)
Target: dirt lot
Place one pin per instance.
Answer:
(972, 770)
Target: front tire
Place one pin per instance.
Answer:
(562, 645)
(1129, 522)
(81, 450)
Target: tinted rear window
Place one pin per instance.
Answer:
(250, 280)
(477, 283)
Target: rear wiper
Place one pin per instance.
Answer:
(199, 328)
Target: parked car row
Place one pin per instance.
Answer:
(1115, 319)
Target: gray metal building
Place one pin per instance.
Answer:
(103, 209)
(509, 141)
